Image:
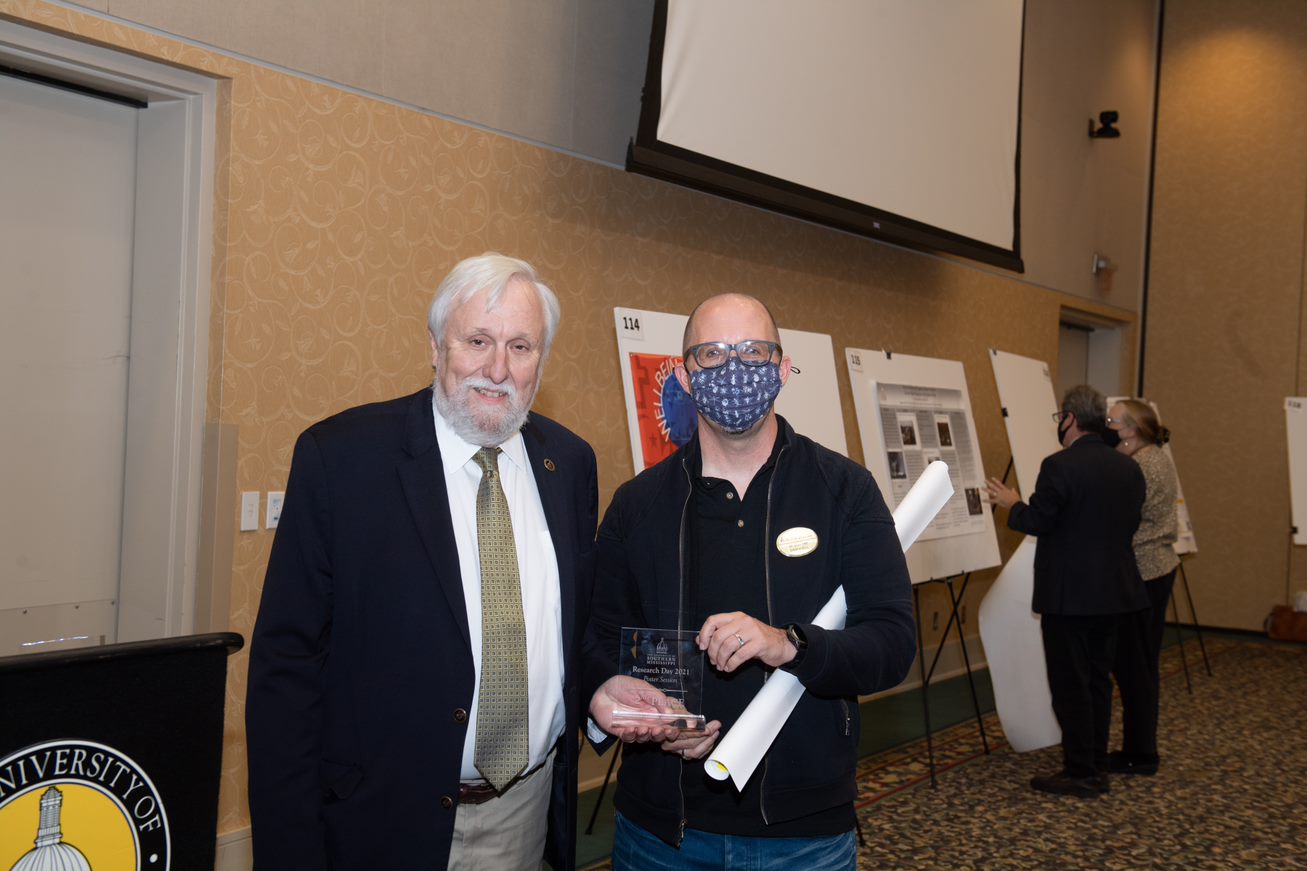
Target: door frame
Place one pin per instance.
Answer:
(1104, 364)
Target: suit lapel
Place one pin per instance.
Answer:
(549, 479)
(423, 479)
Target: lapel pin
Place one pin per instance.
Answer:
(549, 464)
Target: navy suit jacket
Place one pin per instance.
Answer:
(361, 670)
(1085, 510)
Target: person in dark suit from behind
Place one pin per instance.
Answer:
(412, 687)
(1085, 509)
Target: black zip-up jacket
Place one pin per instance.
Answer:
(641, 559)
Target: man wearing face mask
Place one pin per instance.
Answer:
(742, 535)
(1085, 509)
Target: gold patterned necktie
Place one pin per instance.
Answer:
(503, 722)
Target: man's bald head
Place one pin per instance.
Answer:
(730, 317)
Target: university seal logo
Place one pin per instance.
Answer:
(73, 804)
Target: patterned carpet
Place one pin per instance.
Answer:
(1231, 793)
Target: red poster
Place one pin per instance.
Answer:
(666, 412)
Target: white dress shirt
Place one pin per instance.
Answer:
(537, 568)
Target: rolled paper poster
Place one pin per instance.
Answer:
(741, 749)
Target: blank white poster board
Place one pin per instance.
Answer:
(661, 416)
(1014, 651)
(912, 410)
(1009, 630)
(1185, 542)
(1025, 391)
(1295, 416)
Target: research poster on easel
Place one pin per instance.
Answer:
(920, 425)
(661, 416)
(912, 411)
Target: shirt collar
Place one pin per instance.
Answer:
(694, 455)
(455, 453)
(1087, 438)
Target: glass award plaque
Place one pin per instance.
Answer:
(671, 662)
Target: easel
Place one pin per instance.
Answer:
(927, 674)
(1179, 636)
(612, 763)
(954, 619)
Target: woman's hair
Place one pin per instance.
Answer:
(1141, 417)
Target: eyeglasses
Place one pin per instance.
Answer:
(750, 352)
(1116, 420)
(1059, 416)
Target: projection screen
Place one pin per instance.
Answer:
(896, 119)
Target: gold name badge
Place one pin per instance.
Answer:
(797, 541)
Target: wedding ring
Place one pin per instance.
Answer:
(739, 639)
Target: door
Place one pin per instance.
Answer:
(67, 182)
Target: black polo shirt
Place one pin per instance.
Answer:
(727, 572)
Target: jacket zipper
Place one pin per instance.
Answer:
(680, 616)
(766, 573)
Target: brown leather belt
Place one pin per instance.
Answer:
(476, 793)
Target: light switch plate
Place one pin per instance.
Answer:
(249, 510)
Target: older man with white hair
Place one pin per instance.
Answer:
(412, 693)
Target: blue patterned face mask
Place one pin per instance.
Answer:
(735, 396)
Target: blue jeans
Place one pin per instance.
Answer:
(635, 849)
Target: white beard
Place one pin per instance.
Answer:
(486, 432)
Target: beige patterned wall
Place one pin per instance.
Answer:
(337, 215)
(1227, 288)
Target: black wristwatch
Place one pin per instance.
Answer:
(795, 635)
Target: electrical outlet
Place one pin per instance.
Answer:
(275, 499)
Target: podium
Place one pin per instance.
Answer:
(111, 756)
